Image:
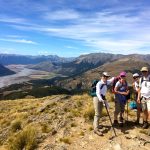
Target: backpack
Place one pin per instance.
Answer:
(132, 105)
(142, 79)
(116, 79)
(93, 88)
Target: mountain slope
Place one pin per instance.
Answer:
(64, 122)
(46, 66)
(5, 71)
(83, 81)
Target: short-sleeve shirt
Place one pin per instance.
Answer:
(136, 85)
(145, 87)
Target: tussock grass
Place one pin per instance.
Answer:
(45, 128)
(89, 113)
(104, 112)
(81, 133)
(110, 96)
(73, 124)
(26, 139)
(91, 128)
(65, 140)
(75, 113)
(5, 122)
(16, 125)
(79, 103)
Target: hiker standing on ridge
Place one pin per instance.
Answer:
(144, 95)
(121, 92)
(98, 100)
(135, 86)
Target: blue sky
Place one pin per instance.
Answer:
(70, 28)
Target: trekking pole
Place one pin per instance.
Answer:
(127, 110)
(110, 119)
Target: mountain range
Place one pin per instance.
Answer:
(77, 73)
(8, 59)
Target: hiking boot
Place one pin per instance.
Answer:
(137, 122)
(98, 132)
(121, 124)
(145, 125)
(100, 127)
(121, 119)
(115, 123)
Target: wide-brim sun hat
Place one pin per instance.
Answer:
(106, 74)
(144, 69)
(135, 75)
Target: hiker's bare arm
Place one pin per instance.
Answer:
(122, 93)
(116, 91)
(139, 95)
(110, 80)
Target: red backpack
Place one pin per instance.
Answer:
(116, 79)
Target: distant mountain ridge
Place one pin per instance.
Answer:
(7, 59)
(78, 65)
(5, 71)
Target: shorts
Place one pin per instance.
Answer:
(145, 103)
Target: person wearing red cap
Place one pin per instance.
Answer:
(121, 92)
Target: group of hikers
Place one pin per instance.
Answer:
(141, 87)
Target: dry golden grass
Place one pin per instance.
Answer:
(16, 125)
(26, 139)
(66, 140)
(17, 117)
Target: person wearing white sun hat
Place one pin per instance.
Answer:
(98, 100)
(135, 86)
(144, 95)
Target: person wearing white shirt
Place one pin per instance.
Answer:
(98, 100)
(135, 86)
(144, 95)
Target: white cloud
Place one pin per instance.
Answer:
(45, 52)
(8, 19)
(18, 41)
(101, 30)
(61, 15)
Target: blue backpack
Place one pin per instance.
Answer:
(132, 105)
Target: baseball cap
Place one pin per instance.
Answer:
(123, 74)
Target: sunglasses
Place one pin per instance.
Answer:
(135, 77)
(144, 71)
(123, 76)
(106, 76)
